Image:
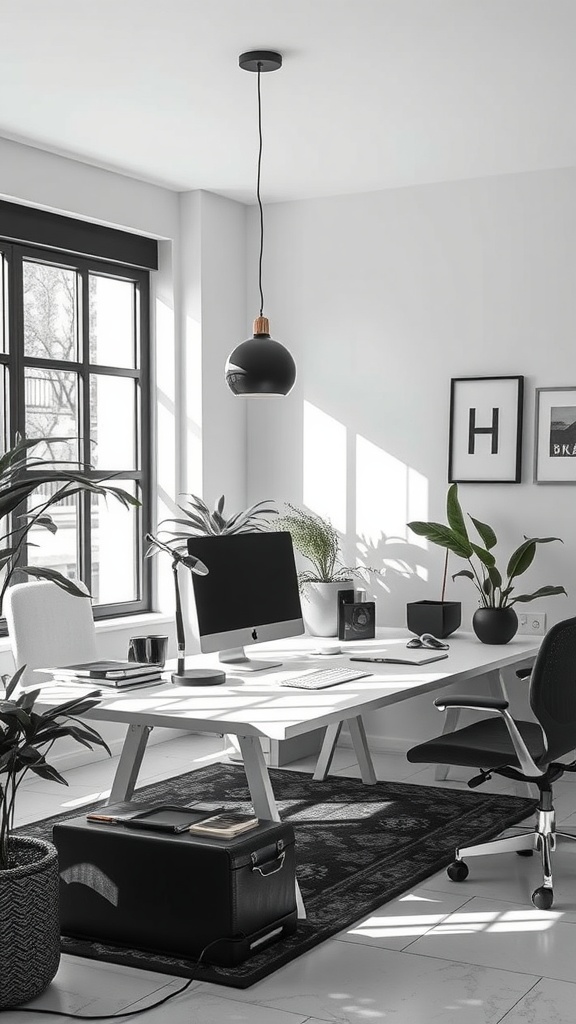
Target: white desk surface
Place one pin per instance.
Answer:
(254, 704)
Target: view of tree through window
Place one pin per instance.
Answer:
(73, 367)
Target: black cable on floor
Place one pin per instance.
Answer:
(125, 1013)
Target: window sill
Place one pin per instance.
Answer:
(143, 621)
(133, 621)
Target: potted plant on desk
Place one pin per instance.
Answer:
(29, 920)
(495, 621)
(318, 541)
(199, 521)
(441, 618)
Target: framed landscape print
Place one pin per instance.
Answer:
(485, 443)
(555, 443)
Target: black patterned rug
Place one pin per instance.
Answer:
(357, 847)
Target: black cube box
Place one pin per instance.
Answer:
(441, 618)
(177, 894)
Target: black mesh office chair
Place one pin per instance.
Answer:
(526, 751)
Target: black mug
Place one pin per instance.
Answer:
(150, 650)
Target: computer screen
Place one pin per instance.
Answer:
(250, 594)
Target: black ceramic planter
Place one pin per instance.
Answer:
(441, 618)
(495, 625)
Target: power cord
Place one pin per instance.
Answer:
(126, 1013)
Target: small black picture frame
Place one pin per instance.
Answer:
(485, 442)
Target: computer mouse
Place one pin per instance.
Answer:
(329, 649)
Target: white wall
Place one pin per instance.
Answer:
(213, 428)
(382, 298)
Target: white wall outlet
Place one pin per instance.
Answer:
(532, 622)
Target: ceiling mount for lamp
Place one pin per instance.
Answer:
(260, 367)
(260, 60)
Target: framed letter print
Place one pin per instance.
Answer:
(485, 430)
(555, 445)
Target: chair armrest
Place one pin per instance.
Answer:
(473, 703)
(523, 673)
(499, 707)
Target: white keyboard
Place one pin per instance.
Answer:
(324, 677)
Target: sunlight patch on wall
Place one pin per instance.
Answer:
(324, 466)
(388, 495)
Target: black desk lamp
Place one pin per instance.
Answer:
(186, 676)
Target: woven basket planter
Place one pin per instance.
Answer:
(29, 921)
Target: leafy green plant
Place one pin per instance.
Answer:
(318, 541)
(495, 589)
(201, 521)
(26, 737)
(23, 475)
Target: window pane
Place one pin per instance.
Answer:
(112, 328)
(50, 311)
(3, 304)
(115, 530)
(4, 406)
(60, 550)
(51, 398)
(113, 422)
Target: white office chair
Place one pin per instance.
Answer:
(48, 627)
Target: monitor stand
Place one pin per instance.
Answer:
(237, 657)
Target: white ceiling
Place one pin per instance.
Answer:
(373, 93)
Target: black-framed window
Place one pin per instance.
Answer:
(74, 364)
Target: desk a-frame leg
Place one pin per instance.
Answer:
(263, 799)
(129, 764)
(326, 754)
(361, 749)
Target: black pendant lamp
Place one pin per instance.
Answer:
(260, 367)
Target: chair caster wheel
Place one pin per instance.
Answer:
(525, 853)
(458, 871)
(543, 898)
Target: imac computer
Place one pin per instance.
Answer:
(249, 595)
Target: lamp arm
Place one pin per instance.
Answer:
(180, 636)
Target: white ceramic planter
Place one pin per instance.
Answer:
(320, 606)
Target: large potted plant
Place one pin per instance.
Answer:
(318, 542)
(495, 621)
(29, 922)
(30, 487)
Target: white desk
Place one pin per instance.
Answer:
(254, 705)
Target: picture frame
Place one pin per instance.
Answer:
(555, 436)
(485, 440)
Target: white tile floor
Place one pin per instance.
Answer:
(473, 953)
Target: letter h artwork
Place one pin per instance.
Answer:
(473, 430)
(485, 444)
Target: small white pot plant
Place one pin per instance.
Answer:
(318, 541)
(495, 621)
(29, 866)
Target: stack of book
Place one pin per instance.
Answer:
(115, 674)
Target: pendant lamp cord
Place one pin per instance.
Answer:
(258, 193)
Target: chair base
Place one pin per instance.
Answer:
(543, 838)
